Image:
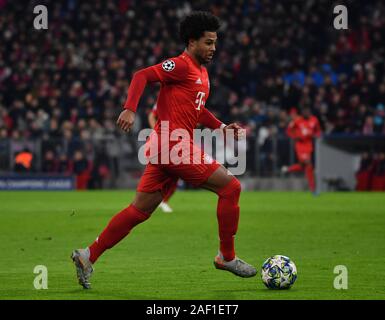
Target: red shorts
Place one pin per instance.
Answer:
(303, 156)
(303, 152)
(162, 177)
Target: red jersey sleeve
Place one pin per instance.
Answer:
(207, 119)
(137, 85)
(171, 70)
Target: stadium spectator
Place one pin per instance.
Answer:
(100, 171)
(378, 177)
(64, 165)
(49, 163)
(364, 173)
(24, 161)
(82, 168)
(371, 173)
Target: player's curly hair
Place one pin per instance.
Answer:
(196, 23)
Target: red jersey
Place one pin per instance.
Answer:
(304, 130)
(181, 103)
(184, 90)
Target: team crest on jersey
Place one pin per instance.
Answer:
(168, 65)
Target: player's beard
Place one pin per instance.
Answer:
(210, 58)
(201, 59)
(205, 59)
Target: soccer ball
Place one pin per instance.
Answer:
(279, 272)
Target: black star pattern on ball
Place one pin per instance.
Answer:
(168, 65)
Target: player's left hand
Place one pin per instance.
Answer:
(239, 132)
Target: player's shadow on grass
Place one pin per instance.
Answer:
(95, 294)
(254, 290)
(235, 290)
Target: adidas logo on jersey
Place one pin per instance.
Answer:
(199, 81)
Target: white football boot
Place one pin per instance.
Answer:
(165, 207)
(84, 268)
(236, 266)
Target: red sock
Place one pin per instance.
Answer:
(170, 192)
(228, 217)
(119, 226)
(295, 168)
(310, 176)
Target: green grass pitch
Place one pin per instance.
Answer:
(170, 256)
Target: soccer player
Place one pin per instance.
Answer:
(303, 129)
(152, 119)
(181, 104)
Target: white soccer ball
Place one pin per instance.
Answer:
(279, 272)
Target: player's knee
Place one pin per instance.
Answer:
(237, 186)
(147, 208)
(231, 190)
(147, 202)
(144, 207)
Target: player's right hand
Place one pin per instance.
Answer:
(126, 120)
(239, 132)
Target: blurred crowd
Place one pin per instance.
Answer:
(69, 82)
(89, 173)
